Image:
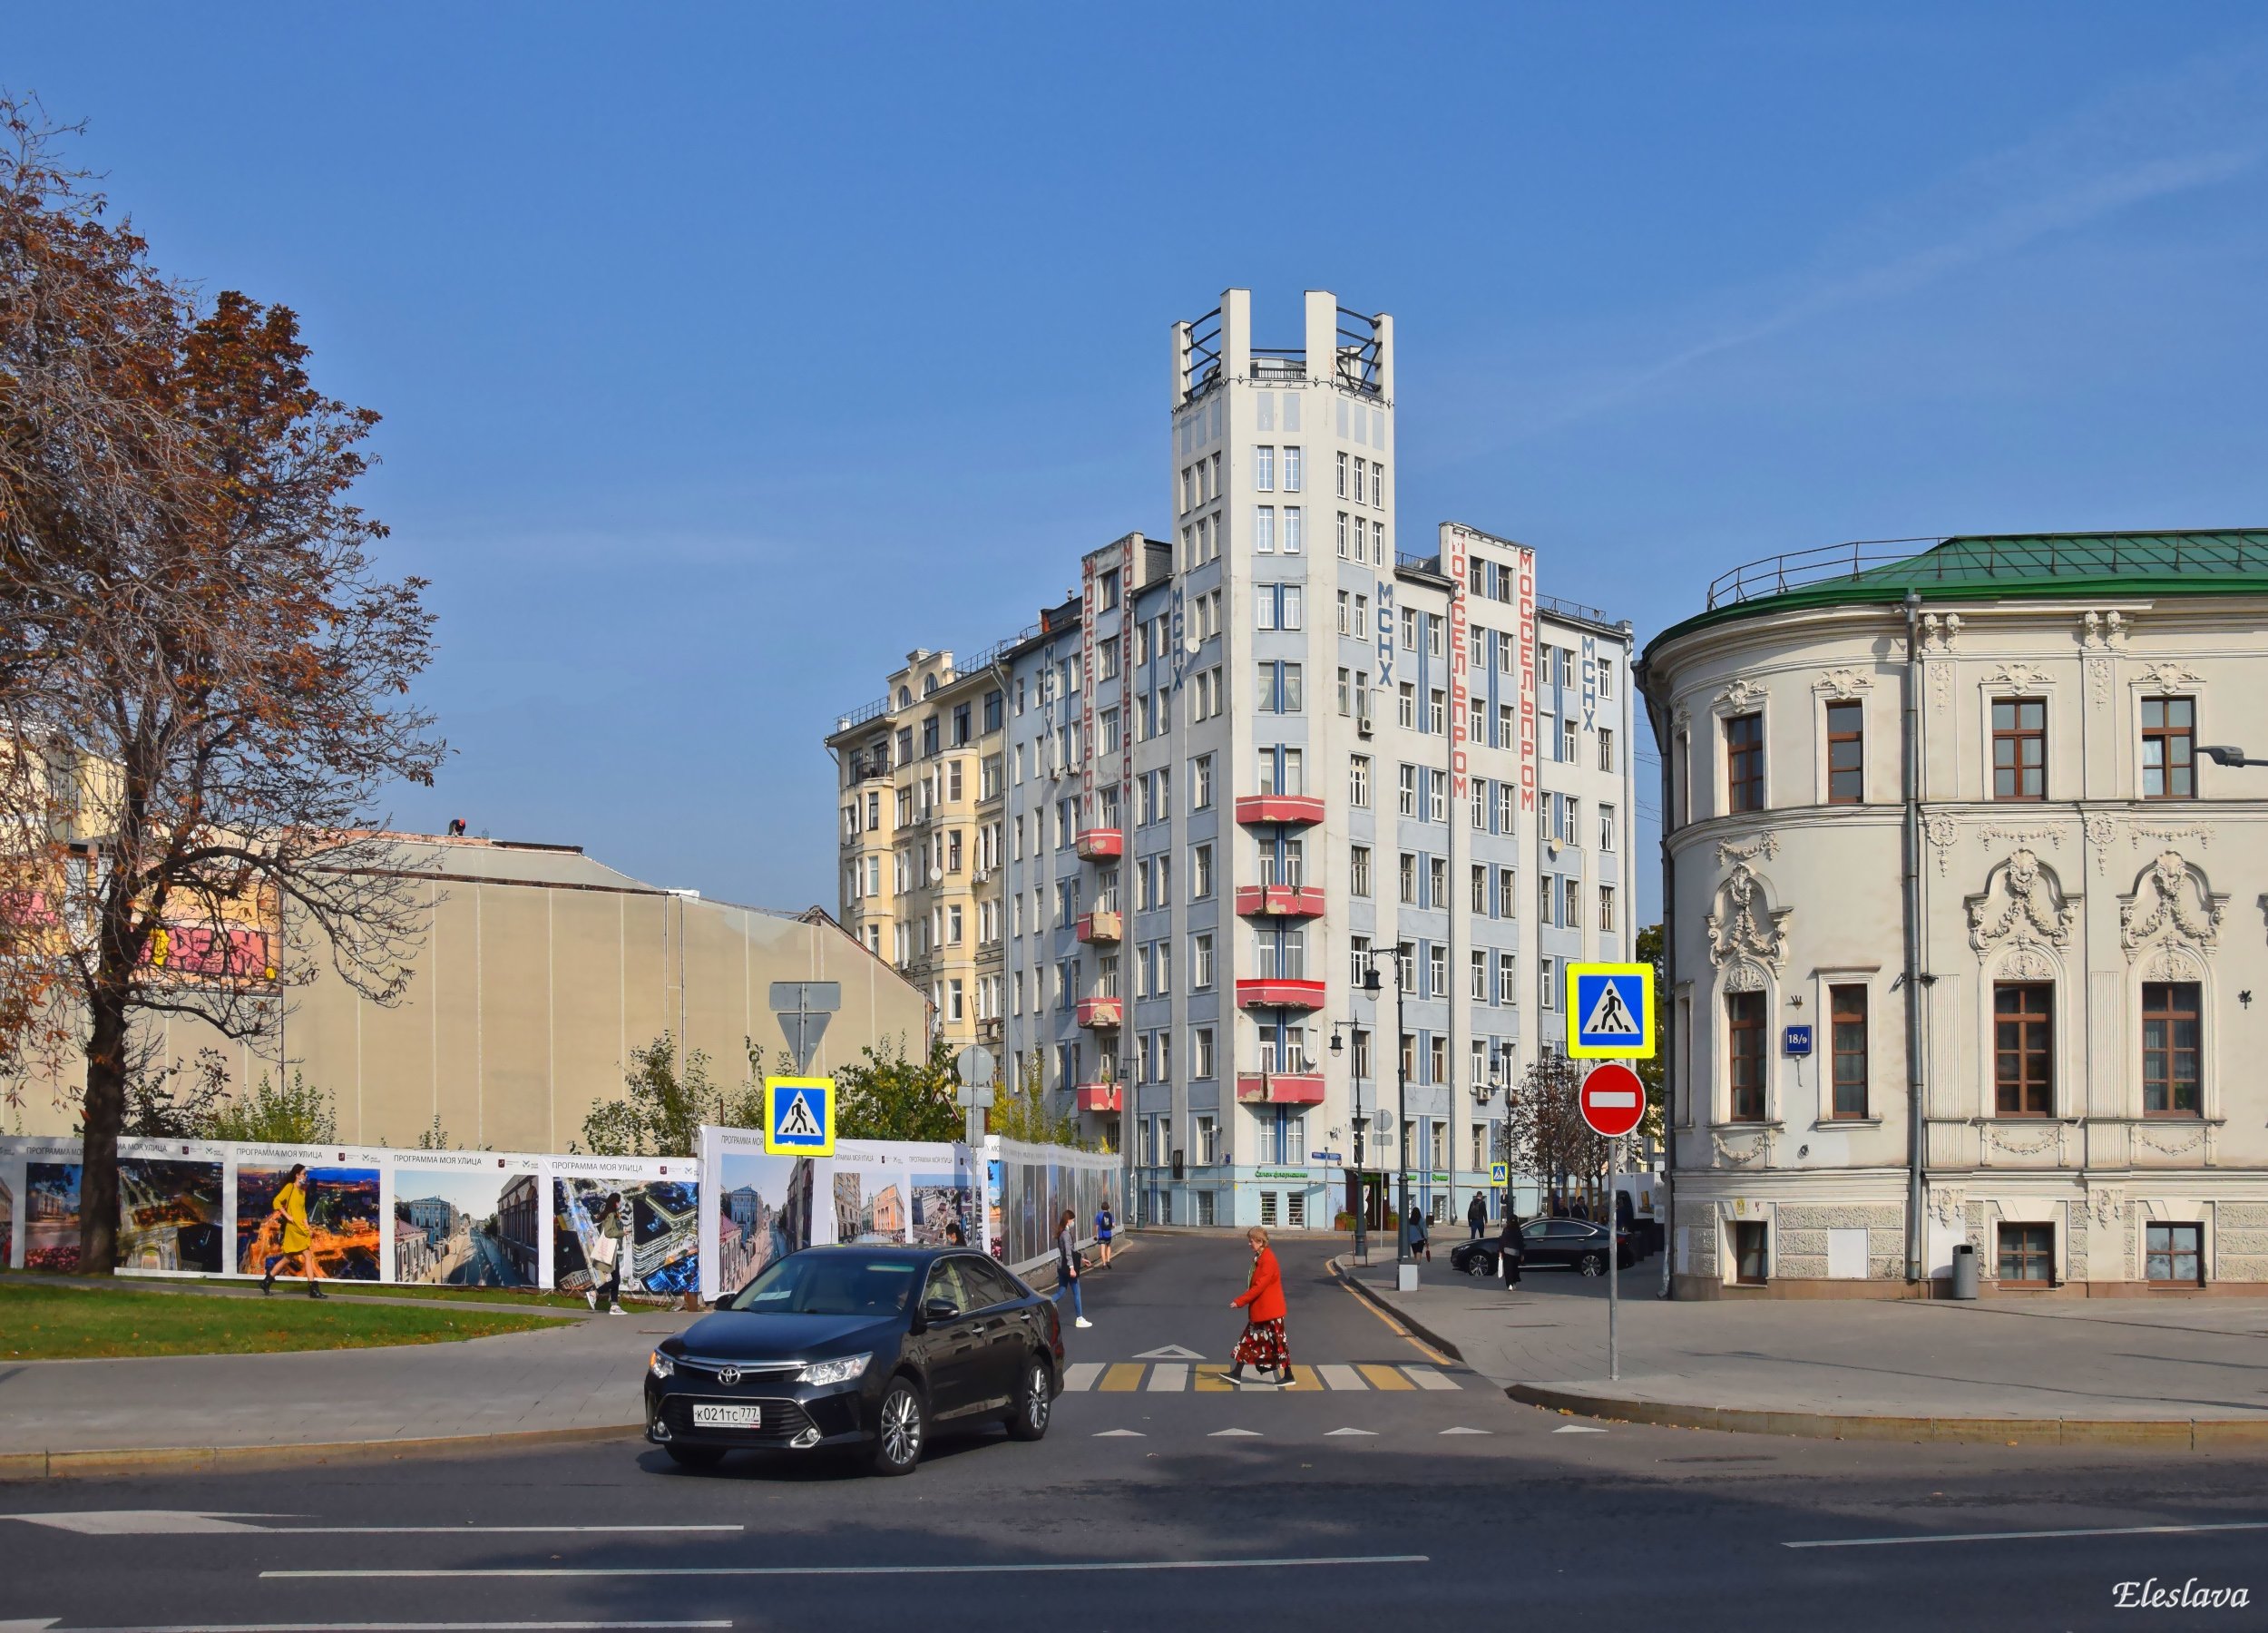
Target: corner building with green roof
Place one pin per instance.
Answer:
(1965, 926)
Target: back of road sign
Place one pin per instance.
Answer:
(1611, 1010)
(800, 1117)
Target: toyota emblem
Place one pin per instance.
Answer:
(728, 1375)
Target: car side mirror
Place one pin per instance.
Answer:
(936, 1312)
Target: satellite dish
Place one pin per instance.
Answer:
(1190, 643)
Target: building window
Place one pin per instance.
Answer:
(1507, 979)
(2028, 1253)
(1291, 470)
(2019, 748)
(1263, 469)
(1409, 791)
(1358, 780)
(1279, 688)
(2168, 736)
(1358, 870)
(1201, 963)
(2023, 1027)
(1405, 706)
(1568, 750)
(2175, 1254)
(1751, 1252)
(1846, 750)
(2170, 1048)
(1201, 783)
(1437, 882)
(1478, 979)
(1409, 879)
(1606, 827)
(1200, 873)
(1547, 983)
(1847, 1040)
(1743, 1020)
(1264, 530)
(1295, 530)
(1744, 763)
(1605, 748)
(1606, 910)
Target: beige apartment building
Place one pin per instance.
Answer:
(920, 771)
(542, 971)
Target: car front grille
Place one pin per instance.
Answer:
(706, 1372)
(784, 1420)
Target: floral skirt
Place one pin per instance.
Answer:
(1263, 1345)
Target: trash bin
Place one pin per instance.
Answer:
(1964, 1270)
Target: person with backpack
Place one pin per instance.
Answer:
(1477, 1216)
(1066, 1267)
(1263, 1343)
(1105, 1223)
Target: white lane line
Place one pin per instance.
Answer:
(482, 1531)
(1168, 1376)
(2033, 1535)
(1464, 1430)
(1032, 1568)
(1425, 1378)
(1081, 1374)
(145, 1522)
(1341, 1377)
(1578, 1428)
(1237, 1433)
(1372, 1434)
(1119, 1434)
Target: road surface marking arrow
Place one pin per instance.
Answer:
(1171, 1352)
(1578, 1428)
(1245, 1434)
(1371, 1432)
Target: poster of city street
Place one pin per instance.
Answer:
(763, 1212)
(51, 1216)
(170, 1215)
(343, 1215)
(939, 1191)
(661, 1212)
(467, 1219)
(11, 1182)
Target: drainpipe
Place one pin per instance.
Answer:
(1667, 1000)
(1915, 1267)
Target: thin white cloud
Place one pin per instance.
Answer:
(2196, 128)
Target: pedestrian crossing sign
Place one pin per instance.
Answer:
(1499, 1174)
(800, 1117)
(1611, 1010)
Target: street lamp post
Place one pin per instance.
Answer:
(1359, 1123)
(1400, 1109)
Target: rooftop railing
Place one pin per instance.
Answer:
(1825, 563)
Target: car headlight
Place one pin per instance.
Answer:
(661, 1366)
(841, 1370)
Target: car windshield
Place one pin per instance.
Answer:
(830, 1284)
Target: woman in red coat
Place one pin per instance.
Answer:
(1263, 1343)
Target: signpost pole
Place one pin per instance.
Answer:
(1614, 1267)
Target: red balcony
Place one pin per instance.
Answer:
(1101, 1097)
(1102, 845)
(1299, 808)
(1280, 1087)
(1106, 1014)
(1269, 992)
(1100, 926)
(1279, 901)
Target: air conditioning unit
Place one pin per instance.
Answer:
(1362, 723)
(983, 875)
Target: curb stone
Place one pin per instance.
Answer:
(210, 1460)
(2183, 1433)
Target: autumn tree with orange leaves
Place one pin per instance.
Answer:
(203, 679)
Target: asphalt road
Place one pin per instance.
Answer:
(1141, 1510)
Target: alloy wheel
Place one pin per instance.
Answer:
(902, 1428)
(1035, 1408)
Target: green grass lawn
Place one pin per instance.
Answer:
(54, 1323)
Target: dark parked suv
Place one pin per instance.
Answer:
(857, 1347)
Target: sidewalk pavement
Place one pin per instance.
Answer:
(2189, 1371)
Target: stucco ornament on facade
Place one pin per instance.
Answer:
(1739, 698)
(2100, 831)
(2164, 672)
(1947, 1206)
(2171, 902)
(1766, 846)
(2109, 1203)
(1743, 927)
(1943, 830)
(1759, 1150)
(2100, 635)
(2019, 676)
(2022, 906)
(1844, 683)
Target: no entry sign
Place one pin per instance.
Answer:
(1613, 1099)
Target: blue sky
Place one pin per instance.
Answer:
(726, 354)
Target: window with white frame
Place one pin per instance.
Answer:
(1263, 469)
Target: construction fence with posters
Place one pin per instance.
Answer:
(525, 1219)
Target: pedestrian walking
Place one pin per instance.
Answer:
(1421, 1246)
(1105, 1223)
(290, 1210)
(1477, 1216)
(1262, 1343)
(610, 1235)
(1066, 1267)
(1510, 1250)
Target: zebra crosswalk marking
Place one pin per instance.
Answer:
(1178, 1377)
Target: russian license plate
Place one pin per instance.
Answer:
(706, 1416)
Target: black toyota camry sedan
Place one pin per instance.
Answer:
(859, 1347)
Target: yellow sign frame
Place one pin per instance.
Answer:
(1647, 1045)
(780, 1093)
